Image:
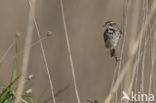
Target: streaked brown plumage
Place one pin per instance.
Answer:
(111, 37)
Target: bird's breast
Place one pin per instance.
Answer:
(111, 38)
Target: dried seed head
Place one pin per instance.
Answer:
(28, 91)
(30, 77)
(18, 34)
(92, 101)
(49, 33)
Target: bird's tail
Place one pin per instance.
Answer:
(112, 52)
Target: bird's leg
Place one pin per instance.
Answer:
(117, 58)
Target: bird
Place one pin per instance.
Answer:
(112, 36)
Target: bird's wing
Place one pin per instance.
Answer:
(105, 36)
(108, 34)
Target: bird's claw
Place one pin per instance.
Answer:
(117, 59)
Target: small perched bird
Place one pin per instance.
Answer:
(112, 35)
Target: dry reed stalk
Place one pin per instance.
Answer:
(124, 23)
(140, 53)
(125, 17)
(118, 65)
(132, 52)
(113, 81)
(154, 91)
(143, 59)
(10, 47)
(7, 51)
(129, 80)
(153, 42)
(143, 65)
(134, 29)
(136, 80)
(144, 47)
(26, 55)
(69, 52)
(114, 76)
(43, 52)
(135, 70)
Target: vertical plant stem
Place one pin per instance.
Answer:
(43, 52)
(134, 30)
(124, 23)
(144, 47)
(6, 52)
(69, 52)
(153, 61)
(135, 71)
(26, 55)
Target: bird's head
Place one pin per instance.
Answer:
(110, 25)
